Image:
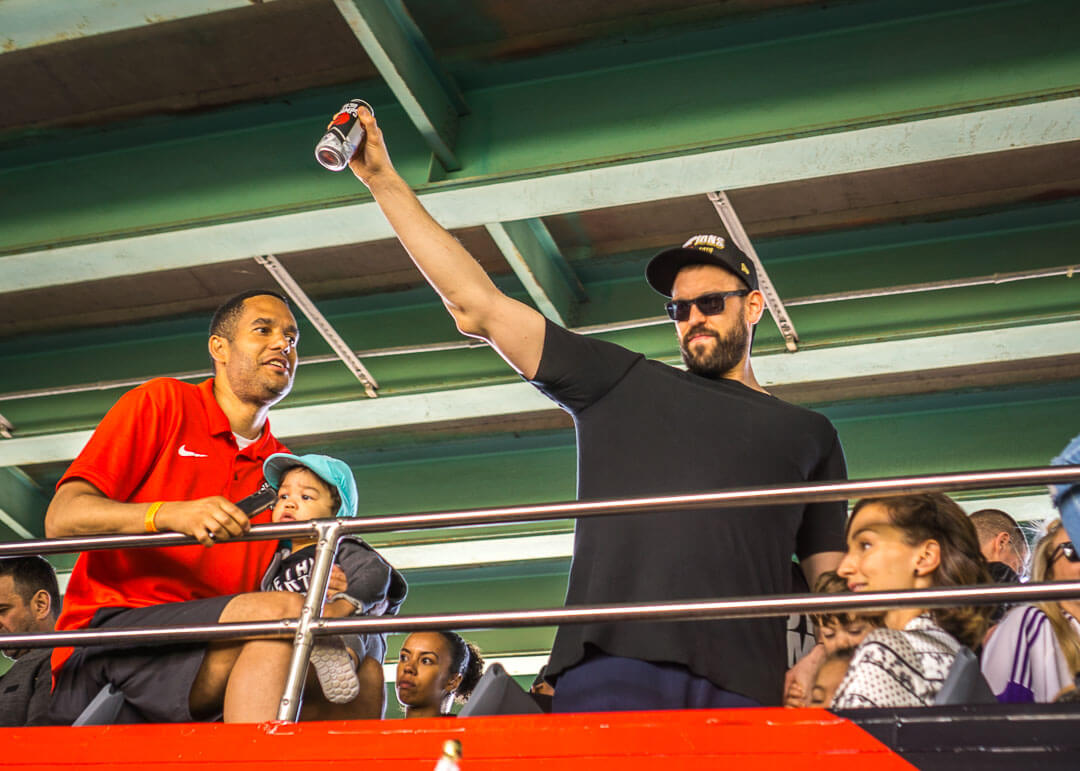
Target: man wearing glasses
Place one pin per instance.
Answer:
(644, 428)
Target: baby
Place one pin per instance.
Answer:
(829, 677)
(319, 487)
(835, 631)
(838, 631)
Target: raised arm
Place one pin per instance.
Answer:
(79, 508)
(512, 328)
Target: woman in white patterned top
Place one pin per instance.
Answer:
(910, 542)
(1035, 651)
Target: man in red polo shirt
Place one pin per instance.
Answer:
(173, 456)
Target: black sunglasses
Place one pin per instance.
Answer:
(710, 304)
(1067, 549)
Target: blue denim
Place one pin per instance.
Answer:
(603, 683)
(1067, 496)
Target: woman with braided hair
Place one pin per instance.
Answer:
(435, 669)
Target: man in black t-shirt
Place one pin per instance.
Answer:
(645, 428)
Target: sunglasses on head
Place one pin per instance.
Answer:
(710, 304)
(1067, 549)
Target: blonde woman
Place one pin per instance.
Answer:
(1035, 651)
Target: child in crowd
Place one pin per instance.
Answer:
(434, 669)
(910, 542)
(832, 672)
(319, 487)
(1034, 652)
(839, 631)
(835, 631)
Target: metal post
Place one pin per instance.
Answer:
(329, 533)
(330, 335)
(776, 307)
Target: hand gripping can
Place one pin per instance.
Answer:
(343, 135)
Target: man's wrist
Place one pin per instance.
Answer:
(385, 181)
(149, 518)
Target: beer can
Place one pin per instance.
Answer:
(343, 135)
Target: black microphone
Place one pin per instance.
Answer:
(258, 500)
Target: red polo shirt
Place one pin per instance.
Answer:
(166, 441)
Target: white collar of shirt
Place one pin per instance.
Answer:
(243, 443)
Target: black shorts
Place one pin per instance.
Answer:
(156, 681)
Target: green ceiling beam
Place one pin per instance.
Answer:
(543, 146)
(492, 551)
(397, 48)
(540, 267)
(826, 326)
(22, 504)
(487, 552)
(921, 141)
(29, 23)
(915, 355)
(1026, 238)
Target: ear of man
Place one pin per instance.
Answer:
(755, 306)
(41, 605)
(218, 347)
(999, 546)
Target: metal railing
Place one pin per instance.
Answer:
(328, 533)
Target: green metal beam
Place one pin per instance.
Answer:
(22, 504)
(538, 146)
(492, 551)
(403, 58)
(487, 552)
(557, 192)
(1027, 237)
(537, 262)
(81, 358)
(29, 23)
(916, 355)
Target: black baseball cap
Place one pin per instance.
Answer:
(699, 250)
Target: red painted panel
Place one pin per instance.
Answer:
(744, 739)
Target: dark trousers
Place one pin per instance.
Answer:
(603, 683)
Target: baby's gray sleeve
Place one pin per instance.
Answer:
(367, 574)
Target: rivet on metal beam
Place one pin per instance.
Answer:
(735, 230)
(329, 334)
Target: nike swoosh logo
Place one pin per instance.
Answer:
(185, 452)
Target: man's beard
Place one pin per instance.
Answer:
(723, 357)
(253, 385)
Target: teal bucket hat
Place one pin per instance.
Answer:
(330, 470)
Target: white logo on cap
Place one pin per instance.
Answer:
(716, 242)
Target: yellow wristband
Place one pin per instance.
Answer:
(149, 519)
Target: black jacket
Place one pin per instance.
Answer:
(26, 690)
